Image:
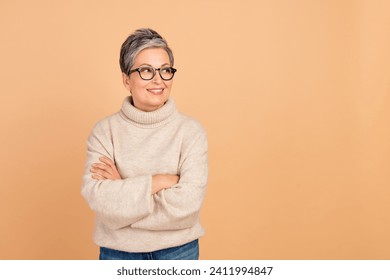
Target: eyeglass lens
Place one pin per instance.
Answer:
(148, 73)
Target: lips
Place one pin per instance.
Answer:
(156, 91)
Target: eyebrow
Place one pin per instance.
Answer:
(146, 64)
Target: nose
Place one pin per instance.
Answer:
(157, 78)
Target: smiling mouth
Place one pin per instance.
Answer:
(156, 91)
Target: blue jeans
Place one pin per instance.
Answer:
(188, 251)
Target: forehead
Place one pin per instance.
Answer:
(152, 56)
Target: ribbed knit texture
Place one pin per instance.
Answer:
(142, 144)
(148, 119)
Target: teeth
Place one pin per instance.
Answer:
(155, 90)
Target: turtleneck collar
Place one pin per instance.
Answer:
(152, 119)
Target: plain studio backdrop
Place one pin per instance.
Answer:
(295, 96)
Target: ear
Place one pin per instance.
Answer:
(126, 81)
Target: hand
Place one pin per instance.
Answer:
(163, 181)
(105, 170)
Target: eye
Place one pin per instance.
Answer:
(167, 70)
(146, 69)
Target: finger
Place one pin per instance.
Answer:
(106, 160)
(103, 166)
(101, 172)
(97, 177)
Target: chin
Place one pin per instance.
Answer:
(160, 98)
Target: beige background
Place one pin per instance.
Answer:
(295, 96)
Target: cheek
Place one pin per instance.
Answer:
(136, 86)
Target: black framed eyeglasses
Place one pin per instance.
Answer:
(147, 72)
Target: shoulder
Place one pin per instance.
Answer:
(104, 126)
(190, 125)
(194, 134)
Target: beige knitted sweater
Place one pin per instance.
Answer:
(142, 144)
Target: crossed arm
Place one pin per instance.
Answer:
(145, 201)
(106, 169)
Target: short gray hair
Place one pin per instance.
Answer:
(141, 39)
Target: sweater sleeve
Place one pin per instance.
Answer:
(179, 206)
(117, 203)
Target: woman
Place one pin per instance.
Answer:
(146, 167)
